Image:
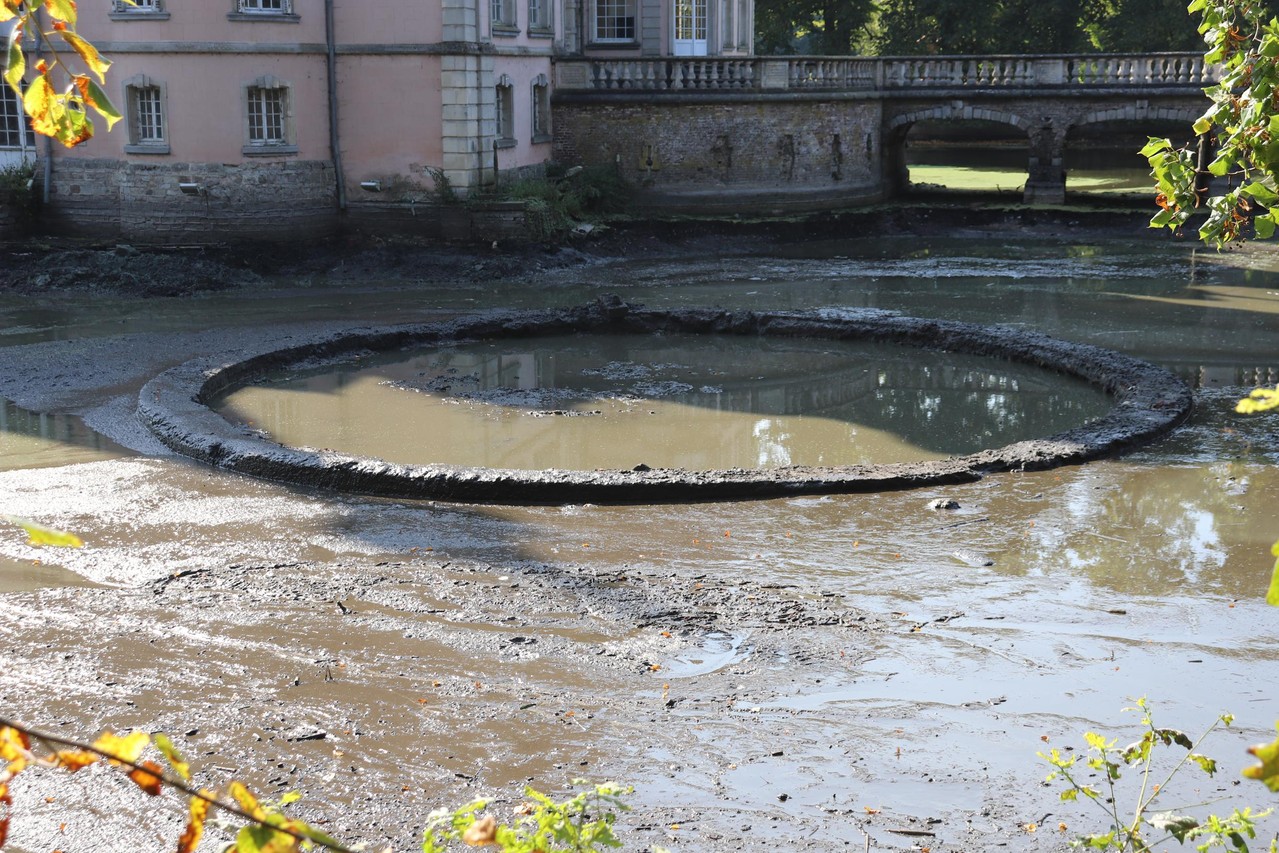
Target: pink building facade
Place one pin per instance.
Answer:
(279, 118)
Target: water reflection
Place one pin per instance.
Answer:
(665, 401)
(40, 440)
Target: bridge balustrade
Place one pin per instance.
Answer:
(833, 73)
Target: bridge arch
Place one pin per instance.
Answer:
(1100, 146)
(897, 127)
(1139, 113)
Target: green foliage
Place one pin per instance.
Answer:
(16, 179)
(444, 190)
(1003, 26)
(824, 27)
(1267, 772)
(1243, 122)
(62, 113)
(580, 824)
(1138, 827)
(555, 203)
(1140, 26)
(576, 825)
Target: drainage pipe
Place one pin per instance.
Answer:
(335, 146)
(47, 170)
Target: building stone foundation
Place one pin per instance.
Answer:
(192, 202)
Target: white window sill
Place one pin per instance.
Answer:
(269, 150)
(265, 17)
(140, 15)
(147, 148)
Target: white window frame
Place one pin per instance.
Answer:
(502, 17)
(267, 132)
(540, 18)
(150, 10)
(14, 123)
(146, 103)
(263, 10)
(264, 7)
(504, 113)
(541, 112)
(617, 17)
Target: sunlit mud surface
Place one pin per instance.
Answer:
(668, 401)
(833, 672)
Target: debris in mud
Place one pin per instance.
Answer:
(973, 558)
(943, 503)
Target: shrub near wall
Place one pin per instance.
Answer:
(17, 200)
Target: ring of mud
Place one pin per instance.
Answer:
(1149, 402)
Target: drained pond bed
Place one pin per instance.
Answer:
(819, 670)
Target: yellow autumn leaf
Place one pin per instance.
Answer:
(13, 744)
(126, 748)
(41, 103)
(75, 759)
(195, 826)
(8, 10)
(40, 535)
(88, 54)
(62, 10)
(246, 801)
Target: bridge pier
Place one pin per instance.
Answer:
(1046, 171)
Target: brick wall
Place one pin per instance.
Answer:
(719, 154)
(269, 200)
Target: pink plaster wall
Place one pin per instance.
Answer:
(389, 116)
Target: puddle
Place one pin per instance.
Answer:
(668, 401)
(35, 440)
(716, 651)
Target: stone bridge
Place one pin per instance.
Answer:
(731, 134)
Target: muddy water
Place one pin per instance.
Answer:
(667, 402)
(812, 670)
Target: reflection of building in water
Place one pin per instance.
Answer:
(941, 403)
(64, 428)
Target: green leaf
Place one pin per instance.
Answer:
(15, 62)
(1171, 736)
(1205, 763)
(1261, 193)
(171, 754)
(1154, 146)
(88, 54)
(1178, 826)
(63, 10)
(1267, 772)
(1272, 594)
(262, 839)
(1264, 226)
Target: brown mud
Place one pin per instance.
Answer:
(831, 672)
